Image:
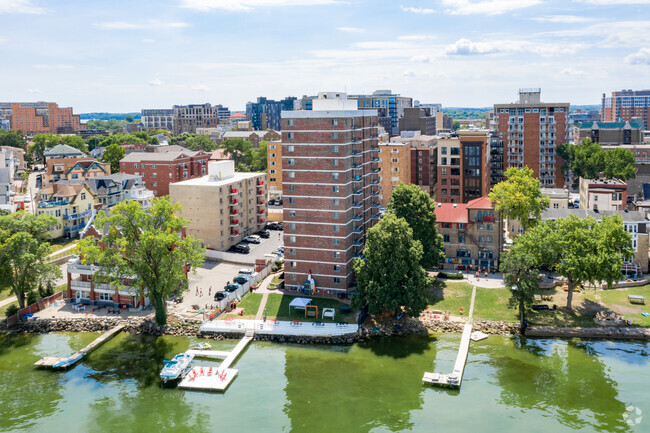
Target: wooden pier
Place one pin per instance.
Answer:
(215, 378)
(455, 378)
(58, 362)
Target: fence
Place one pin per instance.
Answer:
(245, 288)
(34, 308)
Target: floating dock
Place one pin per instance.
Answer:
(57, 362)
(280, 327)
(455, 378)
(215, 378)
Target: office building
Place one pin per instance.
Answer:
(39, 117)
(162, 118)
(626, 105)
(189, 117)
(330, 160)
(265, 113)
(463, 167)
(224, 206)
(416, 119)
(393, 106)
(530, 132)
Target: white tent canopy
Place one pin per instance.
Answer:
(299, 303)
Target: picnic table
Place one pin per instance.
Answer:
(537, 298)
(636, 299)
(79, 307)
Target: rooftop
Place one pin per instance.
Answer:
(62, 149)
(604, 182)
(628, 216)
(451, 213)
(158, 156)
(554, 191)
(206, 181)
(611, 125)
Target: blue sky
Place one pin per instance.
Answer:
(125, 55)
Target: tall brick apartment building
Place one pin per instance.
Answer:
(40, 117)
(158, 170)
(463, 167)
(330, 182)
(530, 132)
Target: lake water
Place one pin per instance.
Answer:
(510, 385)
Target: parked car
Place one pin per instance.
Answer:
(264, 234)
(278, 253)
(254, 239)
(231, 287)
(240, 279)
(274, 226)
(241, 248)
(220, 295)
(246, 272)
(27, 198)
(272, 202)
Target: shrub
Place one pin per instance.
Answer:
(451, 276)
(11, 310)
(275, 268)
(32, 297)
(278, 263)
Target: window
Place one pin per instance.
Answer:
(272, 146)
(292, 187)
(170, 175)
(336, 241)
(292, 226)
(105, 297)
(337, 267)
(293, 277)
(292, 213)
(83, 195)
(292, 252)
(292, 239)
(272, 171)
(154, 166)
(443, 150)
(335, 189)
(155, 183)
(335, 149)
(154, 175)
(337, 254)
(445, 238)
(293, 264)
(290, 148)
(290, 122)
(556, 205)
(335, 202)
(335, 122)
(335, 176)
(335, 162)
(292, 200)
(184, 175)
(337, 280)
(446, 225)
(291, 175)
(335, 135)
(136, 165)
(291, 161)
(336, 229)
(290, 135)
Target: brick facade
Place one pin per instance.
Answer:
(40, 117)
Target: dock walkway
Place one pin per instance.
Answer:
(455, 378)
(58, 362)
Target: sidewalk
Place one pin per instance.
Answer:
(64, 249)
(8, 301)
(263, 289)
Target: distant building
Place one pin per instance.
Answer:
(472, 234)
(158, 118)
(224, 206)
(5, 124)
(62, 151)
(392, 103)
(530, 132)
(189, 117)
(73, 169)
(39, 117)
(159, 169)
(394, 168)
(625, 105)
(421, 167)
(603, 194)
(558, 199)
(253, 136)
(416, 119)
(274, 166)
(611, 133)
(265, 113)
(580, 116)
(7, 170)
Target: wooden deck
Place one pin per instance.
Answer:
(455, 378)
(58, 362)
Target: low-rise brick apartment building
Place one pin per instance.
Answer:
(158, 170)
(472, 234)
(39, 117)
(224, 206)
(330, 182)
(463, 167)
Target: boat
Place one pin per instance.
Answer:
(200, 346)
(176, 368)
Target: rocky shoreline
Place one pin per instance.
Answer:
(186, 328)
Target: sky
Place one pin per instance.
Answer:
(121, 56)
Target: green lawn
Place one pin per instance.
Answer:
(492, 304)
(450, 297)
(58, 244)
(278, 306)
(618, 298)
(250, 303)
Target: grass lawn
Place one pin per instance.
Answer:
(278, 306)
(492, 304)
(250, 303)
(57, 244)
(450, 297)
(616, 299)
(6, 294)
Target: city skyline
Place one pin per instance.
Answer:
(101, 57)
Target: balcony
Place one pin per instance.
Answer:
(260, 221)
(374, 182)
(74, 216)
(260, 203)
(375, 160)
(356, 178)
(356, 153)
(260, 182)
(234, 191)
(357, 229)
(356, 204)
(357, 192)
(374, 194)
(375, 216)
(234, 212)
(261, 212)
(356, 167)
(235, 202)
(358, 242)
(234, 223)
(52, 203)
(260, 193)
(234, 233)
(375, 205)
(74, 228)
(80, 284)
(357, 218)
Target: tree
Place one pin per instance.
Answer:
(123, 139)
(200, 142)
(617, 163)
(76, 142)
(12, 139)
(145, 248)
(112, 155)
(129, 118)
(41, 143)
(581, 250)
(24, 253)
(240, 151)
(519, 196)
(259, 160)
(455, 125)
(589, 160)
(389, 276)
(418, 209)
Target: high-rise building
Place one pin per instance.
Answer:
(39, 117)
(463, 167)
(265, 113)
(625, 105)
(394, 105)
(189, 117)
(330, 159)
(395, 168)
(530, 132)
(274, 167)
(417, 119)
(158, 118)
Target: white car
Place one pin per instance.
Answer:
(254, 239)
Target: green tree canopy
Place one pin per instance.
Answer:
(145, 247)
(240, 151)
(418, 209)
(519, 196)
(76, 142)
(12, 139)
(389, 276)
(260, 157)
(589, 159)
(129, 118)
(41, 143)
(122, 139)
(112, 155)
(23, 254)
(200, 142)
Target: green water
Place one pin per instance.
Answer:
(510, 385)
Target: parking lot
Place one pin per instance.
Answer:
(211, 275)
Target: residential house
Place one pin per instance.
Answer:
(75, 169)
(71, 203)
(115, 188)
(62, 151)
(603, 194)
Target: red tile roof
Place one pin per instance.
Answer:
(218, 155)
(480, 203)
(451, 213)
(238, 115)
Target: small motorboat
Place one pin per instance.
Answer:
(176, 368)
(200, 346)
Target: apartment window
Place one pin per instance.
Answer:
(394, 169)
(155, 183)
(336, 241)
(335, 189)
(293, 277)
(291, 161)
(291, 175)
(335, 215)
(293, 264)
(292, 226)
(335, 122)
(272, 155)
(154, 166)
(292, 252)
(292, 187)
(337, 280)
(292, 200)
(290, 122)
(335, 149)
(272, 146)
(290, 135)
(335, 176)
(446, 225)
(445, 238)
(336, 229)
(336, 254)
(335, 162)
(443, 150)
(170, 175)
(184, 175)
(443, 171)
(154, 175)
(290, 148)
(136, 165)
(335, 135)
(292, 213)
(83, 195)
(337, 268)
(335, 202)
(292, 239)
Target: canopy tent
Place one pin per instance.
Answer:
(299, 303)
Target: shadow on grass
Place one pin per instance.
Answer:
(581, 315)
(281, 311)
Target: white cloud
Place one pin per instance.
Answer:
(614, 2)
(248, 5)
(350, 29)
(150, 24)
(33, 91)
(572, 72)
(156, 82)
(410, 73)
(200, 88)
(423, 58)
(611, 34)
(418, 10)
(488, 7)
(565, 19)
(642, 57)
(465, 47)
(20, 7)
(415, 37)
